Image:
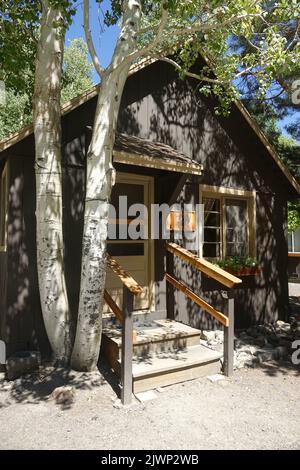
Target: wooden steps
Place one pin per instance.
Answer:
(165, 352)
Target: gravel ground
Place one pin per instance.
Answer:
(256, 409)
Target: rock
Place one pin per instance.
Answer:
(281, 352)
(215, 377)
(261, 341)
(247, 349)
(252, 332)
(208, 335)
(244, 359)
(219, 336)
(149, 395)
(281, 326)
(273, 339)
(22, 363)
(266, 355)
(63, 395)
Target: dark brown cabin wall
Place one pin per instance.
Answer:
(232, 157)
(23, 324)
(3, 287)
(3, 283)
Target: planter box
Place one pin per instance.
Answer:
(244, 271)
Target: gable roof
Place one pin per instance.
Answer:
(93, 92)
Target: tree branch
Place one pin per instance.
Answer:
(163, 34)
(190, 74)
(89, 39)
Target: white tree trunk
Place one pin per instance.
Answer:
(99, 182)
(47, 132)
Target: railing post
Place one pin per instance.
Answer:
(169, 288)
(127, 347)
(229, 334)
(170, 291)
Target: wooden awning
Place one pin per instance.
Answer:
(131, 150)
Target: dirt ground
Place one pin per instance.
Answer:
(256, 409)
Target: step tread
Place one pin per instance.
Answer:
(153, 331)
(192, 356)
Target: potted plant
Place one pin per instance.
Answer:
(244, 266)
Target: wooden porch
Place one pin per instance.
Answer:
(169, 352)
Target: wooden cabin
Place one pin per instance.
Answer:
(171, 148)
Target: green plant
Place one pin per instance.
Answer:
(236, 264)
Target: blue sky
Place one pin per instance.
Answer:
(104, 38)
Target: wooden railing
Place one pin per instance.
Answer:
(294, 254)
(216, 273)
(125, 318)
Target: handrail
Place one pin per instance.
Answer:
(219, 275)
(294, 254)
(124, 277)
(115, 308)
(211, 270)
(202, 303)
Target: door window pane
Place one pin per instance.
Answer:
(119, 220)
(125, 249)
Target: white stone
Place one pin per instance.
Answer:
(282, 326)
(146, 396)
(208, 335)
(215, 377)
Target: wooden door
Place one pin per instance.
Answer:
(135, 256)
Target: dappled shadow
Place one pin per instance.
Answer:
(280, 368)
(37, 387)
(109, 375)
(294, 305)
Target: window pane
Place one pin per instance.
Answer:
(134, 193)
(212, 231)
(119, 219)
(297, 240)
(125, 249)
(236, 227)
(236, 249)
(211, 250)
(211, 204)
(212, 219)
(211, 235)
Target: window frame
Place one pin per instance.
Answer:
(4, 205)
(222, 194)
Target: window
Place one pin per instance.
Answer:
(229, 222)
(294, 241)
(3, 207)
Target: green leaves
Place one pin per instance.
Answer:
(77, 70)
(76, 78)
(293, 217)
